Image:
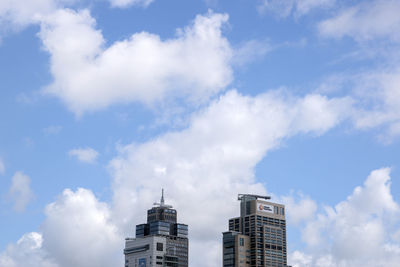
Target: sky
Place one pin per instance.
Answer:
(105, 102)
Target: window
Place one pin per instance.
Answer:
(241, 242)
(282, 211)
(160, 246)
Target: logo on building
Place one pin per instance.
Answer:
(265, 208)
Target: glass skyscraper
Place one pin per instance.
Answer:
(258, 237)
(159, 242)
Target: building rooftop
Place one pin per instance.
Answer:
(251, 196)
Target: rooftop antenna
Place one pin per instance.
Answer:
(162, 196)
(162, 201)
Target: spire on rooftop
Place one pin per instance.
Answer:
(162, 196)
(162, 201)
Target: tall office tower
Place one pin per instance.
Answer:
(258, 237)
(159, 242)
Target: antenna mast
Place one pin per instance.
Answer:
(162, 201)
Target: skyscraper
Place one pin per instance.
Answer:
(258, 237)
(159, 242)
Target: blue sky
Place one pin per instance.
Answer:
(105, 102)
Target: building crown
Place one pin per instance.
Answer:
(162, 201)
(250, 196)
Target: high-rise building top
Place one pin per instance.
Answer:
(161, 212)
(159, 242)
(258, 237)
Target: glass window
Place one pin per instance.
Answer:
(276, 211)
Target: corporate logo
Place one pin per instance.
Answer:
(265, 208)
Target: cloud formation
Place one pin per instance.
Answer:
(206, 165)
(357, 231)
(299, 208)
(27, 251)
(376, 90)
(365, 21)
(78, 231)
(19, 13)
(209, 163)
(20, 191)
(88, 76)
(86, 155)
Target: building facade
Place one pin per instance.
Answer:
(258, 237)
(159, 242)
(236, 249)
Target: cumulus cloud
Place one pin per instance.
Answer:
(297, 7)
(89, 76)
(20, 191)
(27, 251)
(299, 209)
(365, 21)
(206, 165)
(17, 14)
(2, 166)
(357, 231)
(86, 155)
(20, 13)
(78, 231)
(203, 166)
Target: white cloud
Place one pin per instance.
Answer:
(203, 166)
(299, 209)
(356, 232)
(87, 155)
(88, 76)
(26, 252)
(20, 13)
(377, 90)
(382, 91)
(299, 259)
(250, 51)
(128, 3)
(297, 7)
(376, 96)
(2, 166)
(206, 165)
(78, 231)
(20, 191)
(365, 21)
